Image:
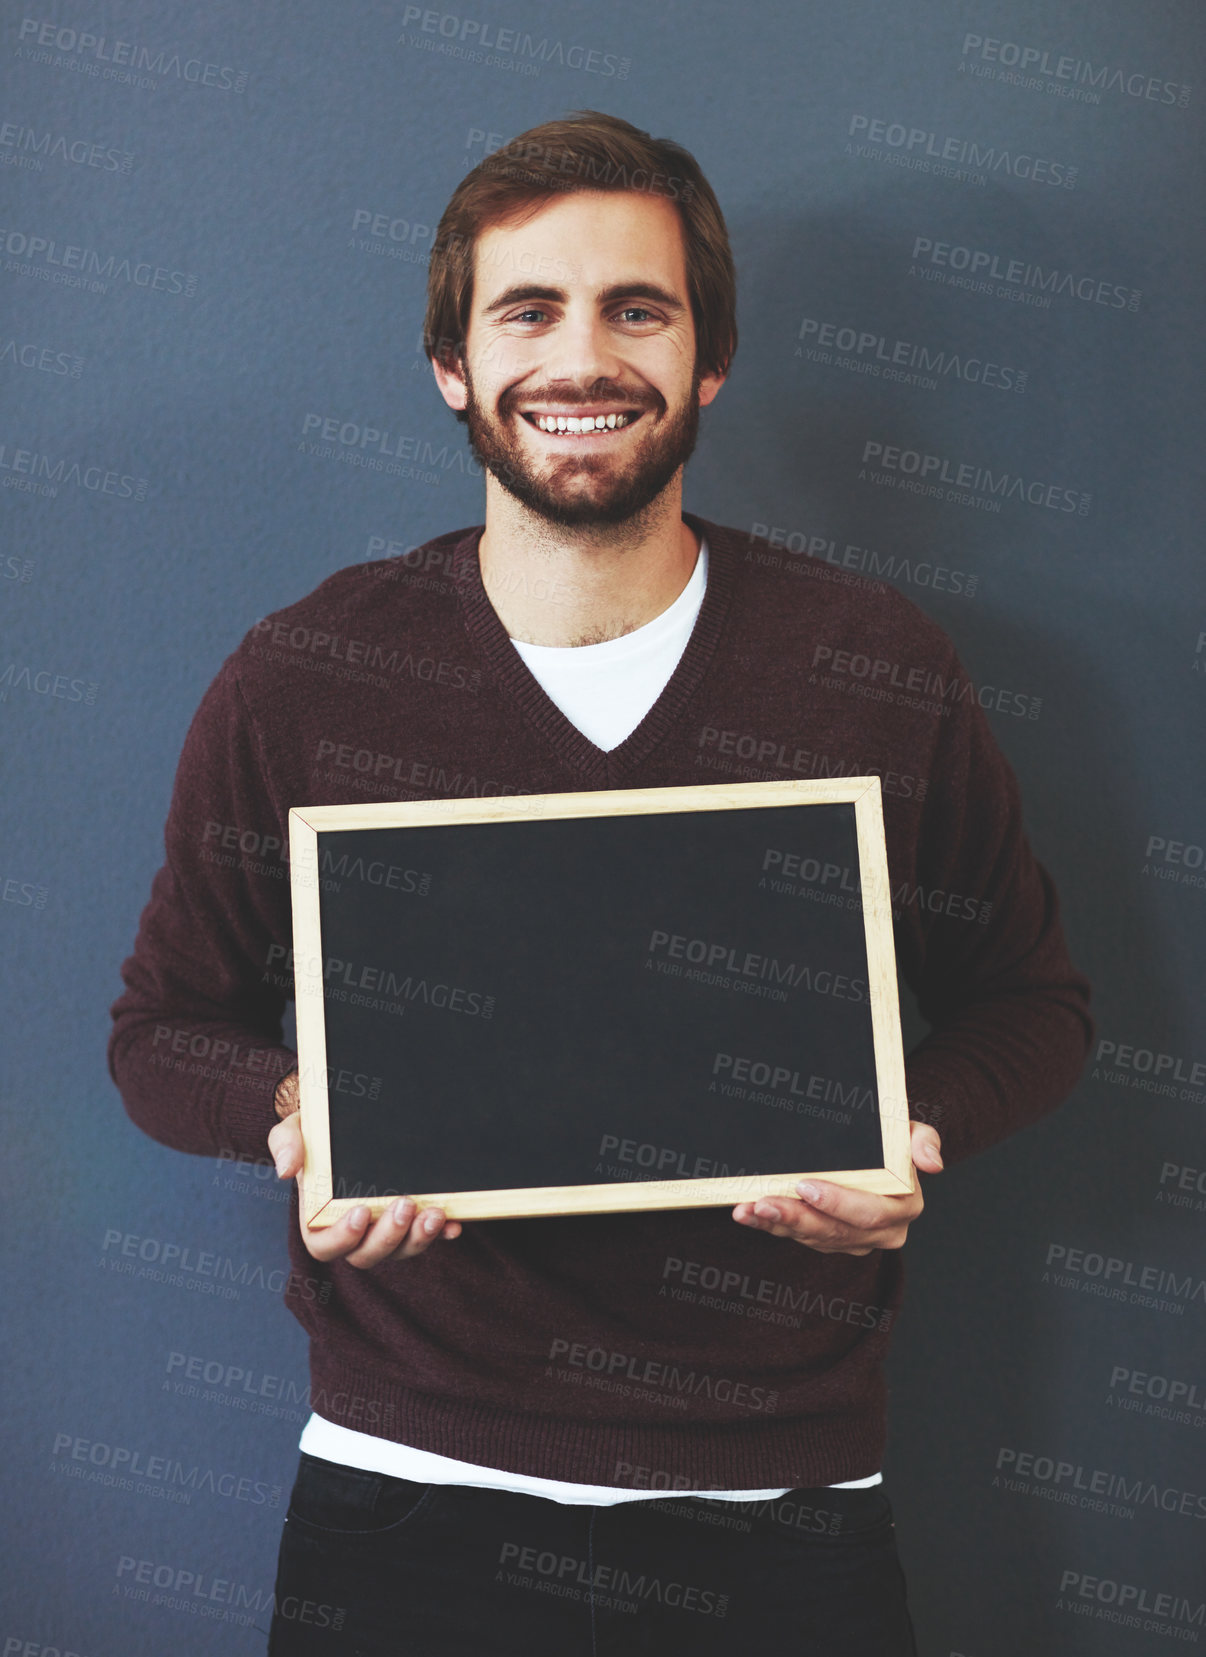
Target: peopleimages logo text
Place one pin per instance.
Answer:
(937, 470)
(94, 50)
(49, 253)
(987, 263)
(866, 351)
(921, 145)
(1059, 66)
(1098, 1481)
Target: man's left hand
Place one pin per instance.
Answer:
(835, 1220)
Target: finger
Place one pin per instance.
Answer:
(333, 1242)
(784, 1217)
(286, 1147)
(362, 1244)
(400, 1231)
(860, 1210)
(926, 1145)
(394, 1232)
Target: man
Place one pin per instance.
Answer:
(462, 1486)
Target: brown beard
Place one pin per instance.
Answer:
(657, 457)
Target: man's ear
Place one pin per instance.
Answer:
(709, 385)
(449, 371)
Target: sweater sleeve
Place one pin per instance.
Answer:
(196, 1048)
(1009, 1013)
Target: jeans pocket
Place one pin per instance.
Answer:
(337, 1500)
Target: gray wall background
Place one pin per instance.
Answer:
(253, 190)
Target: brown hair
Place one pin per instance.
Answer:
(585, 151)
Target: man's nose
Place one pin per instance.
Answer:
(581, 349)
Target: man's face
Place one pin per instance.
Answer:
(582, 314)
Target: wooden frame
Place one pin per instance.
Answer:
(896, 1175)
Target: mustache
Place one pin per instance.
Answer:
(573, 397)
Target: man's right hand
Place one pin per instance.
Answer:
(397, 1232)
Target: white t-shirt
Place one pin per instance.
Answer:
(605, 690)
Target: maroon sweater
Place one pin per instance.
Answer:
(666, 1349)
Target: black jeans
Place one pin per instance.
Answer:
(373, 1566)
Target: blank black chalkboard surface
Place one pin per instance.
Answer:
(582, 1003)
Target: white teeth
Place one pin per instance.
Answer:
(583, 423)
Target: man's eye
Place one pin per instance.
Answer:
(632, 313)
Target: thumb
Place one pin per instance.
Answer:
(285, 1146)
(926, 1145)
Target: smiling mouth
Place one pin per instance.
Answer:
(585, 425)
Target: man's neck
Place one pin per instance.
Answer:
(574, 586)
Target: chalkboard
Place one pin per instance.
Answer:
(581, 1003)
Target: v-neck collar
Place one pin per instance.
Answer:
(598, 767)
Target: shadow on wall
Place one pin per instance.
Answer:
(987, 1359)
